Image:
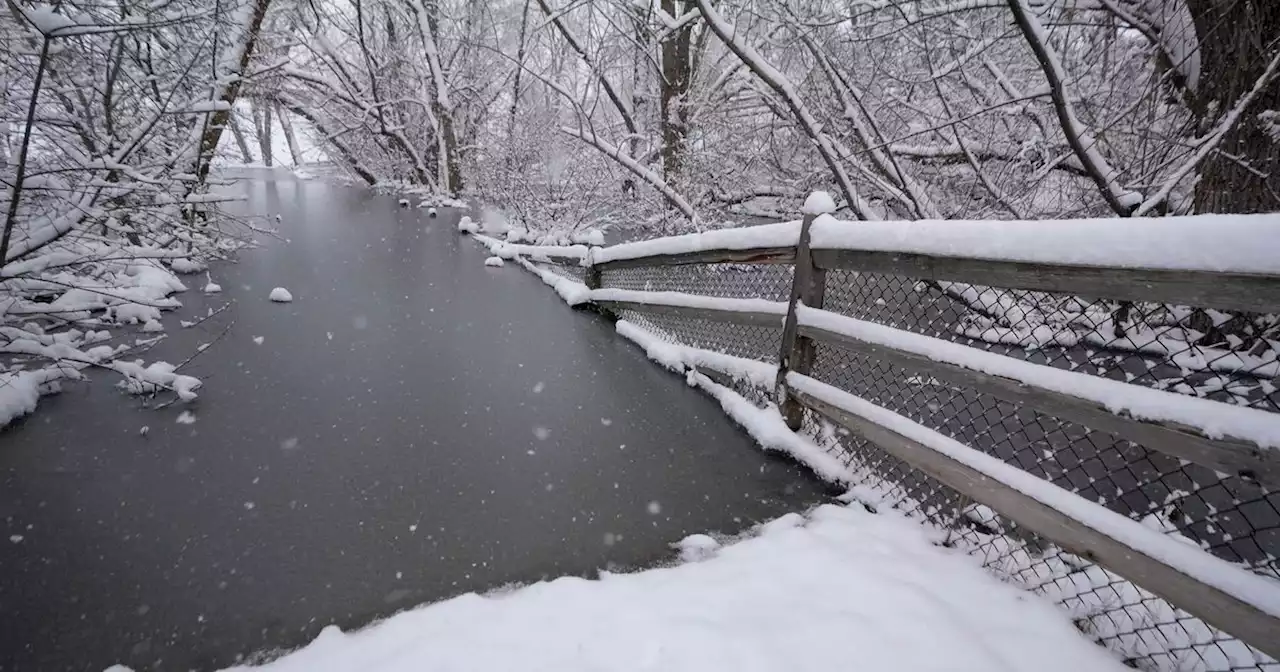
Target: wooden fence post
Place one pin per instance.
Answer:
(808, 286)
(592, 276)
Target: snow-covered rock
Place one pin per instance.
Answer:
(696, 547)
(280, 295)
(467, 225)
(212, 288)
(431, 212)
(404, 202)
(496, 262)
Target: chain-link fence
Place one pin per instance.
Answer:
(1227, 357)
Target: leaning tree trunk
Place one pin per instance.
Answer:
(262, 123)
(295, 151)
(241, 55)
(242, 142)
(1237, 39)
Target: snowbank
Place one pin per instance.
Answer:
(765, 425)
(807, 593)
(21, 390)
(508, 250)
(573, 292)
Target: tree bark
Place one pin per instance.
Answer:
(242, 143)
(213, 130)
(1237, 39)
(515, 85)
(676, 80)
(262, 123)
(295, 151)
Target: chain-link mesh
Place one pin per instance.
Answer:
(734, 281)
(571, 271)
(1146, 630)
(1223, 356)
(1232, 357)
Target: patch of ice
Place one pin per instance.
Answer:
(259, 339)
(186, 418)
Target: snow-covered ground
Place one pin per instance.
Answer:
(840, 587)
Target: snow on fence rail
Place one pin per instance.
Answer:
(958, 366)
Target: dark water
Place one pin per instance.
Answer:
(414, 425)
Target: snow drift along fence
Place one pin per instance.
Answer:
(1101, 425)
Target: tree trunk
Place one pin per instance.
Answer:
(676, 79)
(515, 85)
(213, 130)
(335, 143)
(1237, 39)
(262, 123)
(447, 139)
(295, 151)
(242, 143)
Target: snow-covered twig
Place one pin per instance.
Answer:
(1122, 201)
(777, 81)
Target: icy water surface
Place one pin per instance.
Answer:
(414, 425)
